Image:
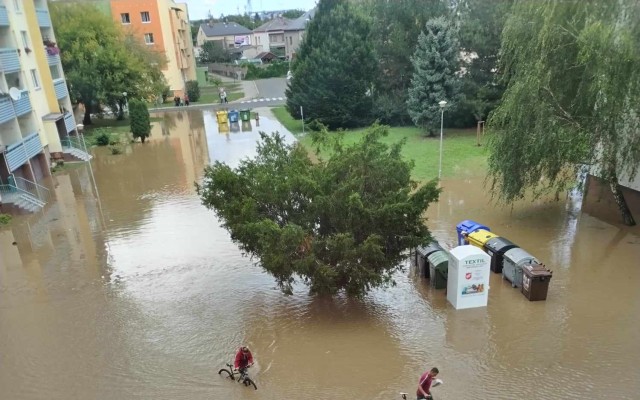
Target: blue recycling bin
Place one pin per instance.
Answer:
(468, 226)
(234, 115)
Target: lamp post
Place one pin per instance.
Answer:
(442, 104)
(124, 94)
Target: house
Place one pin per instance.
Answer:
(164, 26)
(282, 36)
(230, 36)
(36, 122)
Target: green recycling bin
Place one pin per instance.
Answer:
(245, 115)
(438, 269)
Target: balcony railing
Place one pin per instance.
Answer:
(4, 17)
(21, 152)
(7, 112)
(69, 122)
(22, 106)
(9, 61)
(60, 87)
(53, 59)
(44, 20)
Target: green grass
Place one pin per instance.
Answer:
(209, 95)
(294, 126)
(461, 155)
(118, 130)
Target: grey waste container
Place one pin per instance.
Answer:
(512, 264)
(438, 269)
(422, 253)
(496, 247)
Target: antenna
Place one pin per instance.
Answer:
(15, 93)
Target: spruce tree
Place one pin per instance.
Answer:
(334, 68)
(139, 116)
(435, 64)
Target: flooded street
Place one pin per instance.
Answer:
(127, 288)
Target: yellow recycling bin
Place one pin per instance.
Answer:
(222, 117)
(480, 237)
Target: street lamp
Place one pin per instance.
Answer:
(442, 104)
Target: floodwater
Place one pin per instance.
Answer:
(127, 288)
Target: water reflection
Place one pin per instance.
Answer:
(127, 287)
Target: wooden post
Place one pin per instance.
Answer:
(480, 123)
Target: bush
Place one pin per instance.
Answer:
(103, 139)
(115, 150)
(276, 69)
(193, 90)
(5, 219)
(166, 92)
(139, 116)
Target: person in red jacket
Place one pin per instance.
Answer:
(424, 385)
(244, 358)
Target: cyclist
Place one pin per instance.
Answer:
(244, 359)
(424, 386)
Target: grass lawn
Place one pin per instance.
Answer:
(118, 130)
(461, 156)
(209, 95)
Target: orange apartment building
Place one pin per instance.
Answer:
(164, 26)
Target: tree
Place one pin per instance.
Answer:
(193, 90)
(100, 61)
(481, 24)
(342, 224)
(139, 116)
(396, 27)
(334, 68)
(213, 52)
(293, 14)
(572, 98)
(435, 64)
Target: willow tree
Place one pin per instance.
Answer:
(572, 98)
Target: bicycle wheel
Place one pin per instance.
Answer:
(249, 382)
(225, 373)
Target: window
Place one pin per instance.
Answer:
(145, 16)
(25, 39)
(16, 4)
(148, 38)
(290, 40)
(125, 18)
(34, 77)
(55, 72)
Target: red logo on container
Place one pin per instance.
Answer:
(468, 275)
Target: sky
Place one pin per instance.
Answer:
(199, 9)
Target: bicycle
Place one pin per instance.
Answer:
(436, 382)
(243, 375)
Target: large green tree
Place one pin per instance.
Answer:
(100, 61)
(396, 27)
(213, 52)
(573, 97)
(481, 23)
(334, 68)
(343, 224)
(435, 67)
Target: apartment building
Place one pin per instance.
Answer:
(36, 119)
(163, 25)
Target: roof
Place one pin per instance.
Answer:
(236, 50)
(266, 54)
(276, 24)
(300, 23)
(224, 29)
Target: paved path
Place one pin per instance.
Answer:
(271, 102)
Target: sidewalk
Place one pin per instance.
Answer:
(249, 88)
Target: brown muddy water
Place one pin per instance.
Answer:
(127, 288)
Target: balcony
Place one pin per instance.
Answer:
(4, 17)
(19, 153)
(6, 110)
(53, 59)
(22, 106)
(60, 87)
(9, 61)
(44, 20)
(69, 122)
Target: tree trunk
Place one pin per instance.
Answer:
(627, 217)
(87, 114)
(142, 138)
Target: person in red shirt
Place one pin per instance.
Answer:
(424, 385)
(244, 358)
